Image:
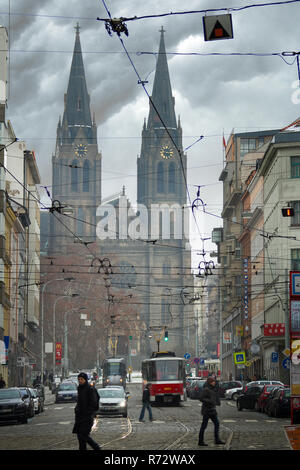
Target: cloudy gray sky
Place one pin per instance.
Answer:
(213, 94)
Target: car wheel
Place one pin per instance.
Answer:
(24, 420)
(257, 407)
(239, 406)
(125, 415)
(234, 397)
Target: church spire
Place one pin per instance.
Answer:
(77, 113)
(162, 91)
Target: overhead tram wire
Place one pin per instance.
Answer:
(136, 18)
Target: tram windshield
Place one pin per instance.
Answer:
(166, 370)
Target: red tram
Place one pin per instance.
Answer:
(166, 375)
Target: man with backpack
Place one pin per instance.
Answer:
(87, 405)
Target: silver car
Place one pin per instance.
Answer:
(113, 400)
(233, 393)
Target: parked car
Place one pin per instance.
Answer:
(189, 381)
(269, 398)
(279, 403)
(66, 391)
(248, 398)
(227, 386)
(12, 405)
(196, 388)
(113, 400)
(38, 400)
(262, 399)
(263, 382)
(28, 400)
(233, 393)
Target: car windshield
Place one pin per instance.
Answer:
(70, 386)
(24, 391)
(114, 393)
(7, 394)
(270, 387)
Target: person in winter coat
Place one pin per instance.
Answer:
(210, 399)
(146, 404)
(84, 413)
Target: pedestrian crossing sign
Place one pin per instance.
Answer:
(239, 357)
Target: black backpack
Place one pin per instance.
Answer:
(95, 398)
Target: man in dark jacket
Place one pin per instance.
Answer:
(210, 399)
(84, 413)
(146, 404)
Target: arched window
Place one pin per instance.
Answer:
(160, 178)
(74, 176)
(86, 177)
(172, 178)
(80, 222)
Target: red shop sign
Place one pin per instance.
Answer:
(274, 329)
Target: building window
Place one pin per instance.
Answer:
(74, 176)
(247, 145)
(85, 178)
(295, 220)
(166, 269)
(164, 312)
(80, 222)
(295, 259)
(160, 178)
(172, 182)
(295, 167)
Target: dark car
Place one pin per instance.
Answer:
(262, 399)
(28, 400)
(67, 391)
(190, 382)
(228, 385)
(249, 398)
(195, 389)
(280, 403)
(269, 398)
(12, 406)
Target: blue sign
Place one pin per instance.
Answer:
(286, 363)
(202, 361)
(274, 357)
(187, 356)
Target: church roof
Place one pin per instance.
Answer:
(77, 101)
(162, 92)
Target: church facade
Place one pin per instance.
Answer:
(153, 265)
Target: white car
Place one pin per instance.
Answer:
(233, 393)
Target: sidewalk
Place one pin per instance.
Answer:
(49, 397)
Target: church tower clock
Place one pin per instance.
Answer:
(76, 165)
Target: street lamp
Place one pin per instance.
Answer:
(66, 365)
(42, 321)
(54, 323)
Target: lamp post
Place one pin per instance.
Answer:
(66, 360)
(42, 321)
(54, 323)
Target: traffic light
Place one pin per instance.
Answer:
(287, 212)
(166, 336)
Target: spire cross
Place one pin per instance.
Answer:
(162, 30)
(77, 28)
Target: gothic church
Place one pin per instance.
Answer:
(157, 270)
